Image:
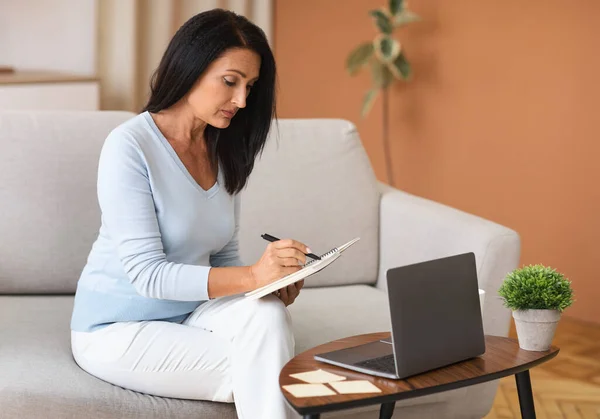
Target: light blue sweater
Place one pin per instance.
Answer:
(160, 234)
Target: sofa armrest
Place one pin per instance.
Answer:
(414, 229)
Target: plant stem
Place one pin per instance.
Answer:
(386, 141)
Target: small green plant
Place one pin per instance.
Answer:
(536, 287)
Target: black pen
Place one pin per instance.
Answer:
(270, 238)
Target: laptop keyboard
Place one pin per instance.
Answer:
(384, 364)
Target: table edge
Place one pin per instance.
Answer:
(419, 392)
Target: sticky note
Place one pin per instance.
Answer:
(308, 390)
(351, 387)
(317, 377)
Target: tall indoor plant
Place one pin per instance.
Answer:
(387, 61)
(537, 295)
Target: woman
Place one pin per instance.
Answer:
(157, 308)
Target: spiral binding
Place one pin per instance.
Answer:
(323, 256)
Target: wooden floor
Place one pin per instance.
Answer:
(567, 386)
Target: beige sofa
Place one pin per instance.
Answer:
(313, 182)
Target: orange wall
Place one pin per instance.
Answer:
(501, 119)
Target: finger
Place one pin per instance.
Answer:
(289, 243)
(284, 295)
(290, 252)
(292, 292)
(299, 285)
(289, 262)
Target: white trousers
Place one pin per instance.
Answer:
(228, 348)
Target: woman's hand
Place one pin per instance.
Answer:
(289, 294)
(280, 258)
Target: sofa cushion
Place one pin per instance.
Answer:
(314, 183)
(50, 215)
(40, 379)
(320, 315)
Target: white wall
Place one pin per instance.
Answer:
(49, 35)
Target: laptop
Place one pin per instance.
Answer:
(435, 317)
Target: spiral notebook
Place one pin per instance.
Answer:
(309, 269)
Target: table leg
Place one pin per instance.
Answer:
(525, 395)
(387, 410)
(313, 416)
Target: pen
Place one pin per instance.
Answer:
(270, 238)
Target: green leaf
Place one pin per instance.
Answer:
(401, 68)
(368, 102)
(536, 287)
(387, 48)
(359, 57)
(383, 21)
(396, 6)
(405, 17)
(381, 74)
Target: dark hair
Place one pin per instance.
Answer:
(201, 40)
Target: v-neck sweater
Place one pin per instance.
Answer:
(160, 233)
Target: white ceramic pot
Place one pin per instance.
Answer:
(535, 328)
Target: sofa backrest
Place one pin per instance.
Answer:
(314, 183)
(49, 210)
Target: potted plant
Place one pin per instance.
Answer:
(537, 295)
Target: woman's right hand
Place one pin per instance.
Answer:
(280, 258)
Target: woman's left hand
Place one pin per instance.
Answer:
(289, 293)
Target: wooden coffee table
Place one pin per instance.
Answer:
(503, 357)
